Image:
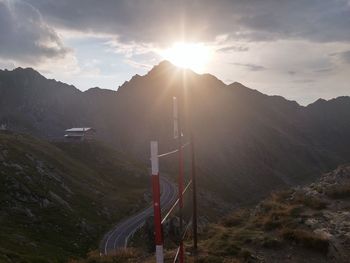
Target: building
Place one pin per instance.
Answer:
(80, 134)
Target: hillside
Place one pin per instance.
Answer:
(303, 224)
(58, 200)
(248, 143)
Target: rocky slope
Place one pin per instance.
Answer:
(304, 224)
(58, 200)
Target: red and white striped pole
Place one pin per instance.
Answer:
(156, 203)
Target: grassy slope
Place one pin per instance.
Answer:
(303, 224)
(57, 201)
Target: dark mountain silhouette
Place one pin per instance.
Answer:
(248, 143)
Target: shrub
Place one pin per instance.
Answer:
(278, 216)
(216, 259)
(312, 202)
(121, 256)
(245, 254)
(236, 218)
(339, 191)
(271, 242)
(307, 239)
(281, 196)
(210, 259)
(272, 223)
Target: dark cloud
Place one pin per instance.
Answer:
(24, 35)
(346, 56)
(168, 20)
(317, 20)
(251, 67)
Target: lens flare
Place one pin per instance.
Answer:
(193, 56)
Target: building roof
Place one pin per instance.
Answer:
(73, 135)
(82, 129)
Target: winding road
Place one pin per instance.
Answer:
(118, 236)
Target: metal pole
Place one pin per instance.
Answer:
(194, 195)
(193, 173)
(178, 132)
(181, 251)
(156, 203)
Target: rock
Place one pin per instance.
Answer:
(54, 176)
(85, 226)
(29, 213)
(4, 153)
(40, 167)
(45, 203)
(65, 187)
(16, 166)
(30, 157)
(323, 232)
(59, 200)
(311, 222)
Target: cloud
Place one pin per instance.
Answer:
(304, 81)
(292, 39)
(165, 21)
(251, 67)
(324, 70)
(233, 48)
(25, 36)
(343, 57)
(138, 64)
(129, 49)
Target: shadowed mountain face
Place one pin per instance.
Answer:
(247, 143)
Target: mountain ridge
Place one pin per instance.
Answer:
(255, 142)
(168, 65)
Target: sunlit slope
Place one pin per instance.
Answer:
(57, 202)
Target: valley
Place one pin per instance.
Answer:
(248, 145)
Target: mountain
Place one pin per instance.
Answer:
(33, 104)
(57, 200)
(247, 143)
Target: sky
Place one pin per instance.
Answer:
(299, 49)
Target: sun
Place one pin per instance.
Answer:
(193, 56)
